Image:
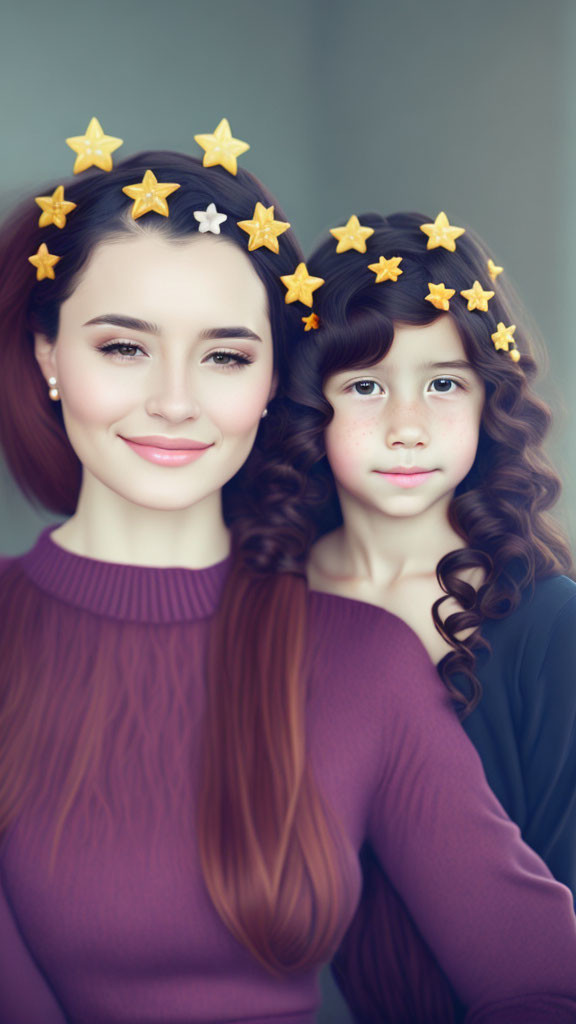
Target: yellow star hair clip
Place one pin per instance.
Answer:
(504, 337)
(493, 270)
(54, 208)
(477, 297)
(93, 149)
(442, 233)
(312, 322)
(439, 296)
(44, 262)
(221, 148)
(300, 285)
(352, 235)
(263, 229)
(150, 195)
(386, 270)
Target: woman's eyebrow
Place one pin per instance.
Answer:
(129, 322)
(132, 323)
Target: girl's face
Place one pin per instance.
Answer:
(405, 431)
(164, 364)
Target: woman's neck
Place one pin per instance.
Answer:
(111, 529)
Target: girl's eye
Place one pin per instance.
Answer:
(235, 360)
(124, 349)
(443, 385)
(366, 388)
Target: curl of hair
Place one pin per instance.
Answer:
(500, 510)
(270, 852)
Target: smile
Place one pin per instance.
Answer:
(408, 479)
(166, 456)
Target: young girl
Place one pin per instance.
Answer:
(192, 749)
(416, 410)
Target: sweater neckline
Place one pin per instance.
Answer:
(131, 593)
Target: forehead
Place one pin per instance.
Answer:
(417, 346)
(162, 279)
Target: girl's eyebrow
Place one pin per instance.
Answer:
(454, 364)
(132, 323)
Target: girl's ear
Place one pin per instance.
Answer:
(44, 352)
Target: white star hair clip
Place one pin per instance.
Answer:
(209, 219)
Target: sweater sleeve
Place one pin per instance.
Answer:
(548, 747)
(25, 995)
(501, 927)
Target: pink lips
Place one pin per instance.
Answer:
(407, 477)
(167, 451)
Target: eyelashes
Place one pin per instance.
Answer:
(354, 388)
(126, 351)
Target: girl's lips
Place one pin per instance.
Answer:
(407, 479)
(166, 456)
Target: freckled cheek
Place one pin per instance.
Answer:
(348, 442)
(457, 433)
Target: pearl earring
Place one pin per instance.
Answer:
(265, 413)
(53, 392)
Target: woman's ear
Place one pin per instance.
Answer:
(44, 352)
(273, 387)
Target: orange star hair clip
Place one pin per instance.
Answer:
(300, 285)
(221, 148)
(54, 208)
(150, 195)
(94, 148)
(439, 296)
(312, 322)
(44, 262)
(263, 229)
(442, 233)
(386, 269)
(352, 235)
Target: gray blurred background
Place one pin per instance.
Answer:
(433, 105)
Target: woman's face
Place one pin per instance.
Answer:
(163, 345)
(405, 431)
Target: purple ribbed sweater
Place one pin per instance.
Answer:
(125, 933)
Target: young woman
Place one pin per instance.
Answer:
(417, 415)
(192, 748)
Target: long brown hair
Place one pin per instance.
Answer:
(269, 850)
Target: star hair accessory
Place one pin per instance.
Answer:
(352, 235)
(477, 297)
(263, 229)
(54, 208)
(312, 322)
(53, 393)
(442, 233)
(493, 270)
(94, 149)
(209, 219)
(221, 148)
(503, 339)
(386, 270)
(44, 262)
(300, 285)
(439, 296)
(150, 195)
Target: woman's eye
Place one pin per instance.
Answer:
(444, 385)
(231, 359)
(124, 349)
(367, 387)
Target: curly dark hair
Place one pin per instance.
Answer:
(500, 508)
